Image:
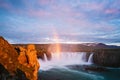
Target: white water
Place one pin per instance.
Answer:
(64, 58)
(90, 59)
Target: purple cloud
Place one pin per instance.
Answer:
(69, 18)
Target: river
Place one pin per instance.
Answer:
(72, 66)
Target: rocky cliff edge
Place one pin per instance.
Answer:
(22, 59)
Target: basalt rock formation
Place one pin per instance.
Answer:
(14, 62)
(107, 57)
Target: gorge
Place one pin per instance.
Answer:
(74, 62)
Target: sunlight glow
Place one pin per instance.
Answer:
(57, 45)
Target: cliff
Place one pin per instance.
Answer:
(13, 63)
(8, 56)
(107, 57)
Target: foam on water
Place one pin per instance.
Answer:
(65, 58)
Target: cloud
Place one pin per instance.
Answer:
(75, 20)
(45, 2)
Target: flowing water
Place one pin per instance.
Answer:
(71, 66)
(90, 60)
(64, 59)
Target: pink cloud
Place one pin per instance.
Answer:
(55, 12)
(45, 2)
(92, 6)
(111, 11)
(38, 13)
(64, 12)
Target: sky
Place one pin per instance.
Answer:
(36, 21)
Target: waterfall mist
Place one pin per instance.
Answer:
(64, 59)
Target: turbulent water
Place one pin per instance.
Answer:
(63, 59)
(71, 66)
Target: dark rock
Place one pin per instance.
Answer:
(41, 53)
(87, 56)
(5, 75)
(107, 57)
(88, 68)
(49, 56)
(95, 68)
(20, 75)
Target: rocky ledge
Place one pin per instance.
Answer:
(18, 64)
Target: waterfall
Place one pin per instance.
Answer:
(90, 59)
(64, 59)
(45, 57)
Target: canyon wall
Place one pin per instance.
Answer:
(14, 62)
(107, 57)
